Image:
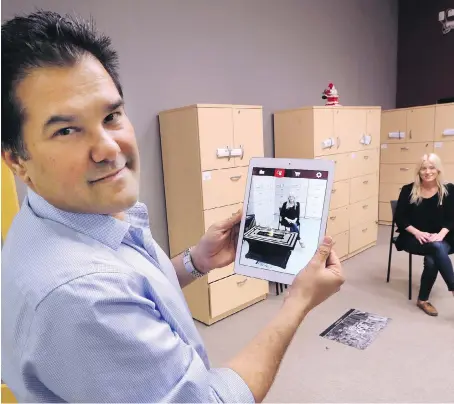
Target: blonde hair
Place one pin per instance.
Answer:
(415, 196)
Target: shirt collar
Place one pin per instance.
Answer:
(103, 228)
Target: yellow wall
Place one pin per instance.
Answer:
(10, 203)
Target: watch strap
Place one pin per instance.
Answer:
(189, 265)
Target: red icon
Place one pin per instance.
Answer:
(279, 172)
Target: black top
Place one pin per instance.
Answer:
(290, 212)
(428, 216)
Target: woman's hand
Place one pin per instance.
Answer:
(437, 236)
(423, 237)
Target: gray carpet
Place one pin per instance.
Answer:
(412, 360)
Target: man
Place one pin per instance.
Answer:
(93, 309)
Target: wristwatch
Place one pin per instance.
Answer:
(189, 265)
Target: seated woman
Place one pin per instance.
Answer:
(425, 221)
(290, 216)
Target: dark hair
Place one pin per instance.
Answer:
(41, 39)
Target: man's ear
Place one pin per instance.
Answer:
(16, 165)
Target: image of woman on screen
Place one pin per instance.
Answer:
(290, 216)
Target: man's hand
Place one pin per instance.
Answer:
(258, 363)
(217, 247)
(321, 278)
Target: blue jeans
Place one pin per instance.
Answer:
(436, 259)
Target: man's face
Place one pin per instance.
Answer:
(82, 147)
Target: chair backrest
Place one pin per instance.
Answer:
(393, 208)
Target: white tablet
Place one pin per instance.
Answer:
(284, 218)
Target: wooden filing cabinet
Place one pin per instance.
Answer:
(406, 135)
(355, 138)
(206, 150)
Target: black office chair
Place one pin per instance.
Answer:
(392, 241)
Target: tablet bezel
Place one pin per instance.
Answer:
(285, 163)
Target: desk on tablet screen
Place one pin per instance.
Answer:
(269, 241)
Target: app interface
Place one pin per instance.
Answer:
(283, 218)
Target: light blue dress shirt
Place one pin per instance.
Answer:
(92, 311)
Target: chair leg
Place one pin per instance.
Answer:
(409, 275)
(282, 287)
(277, 289)
(389, 260)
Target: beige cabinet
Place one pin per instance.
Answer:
(350, 136)
(427, 129)
(408, 125)
(206, 150)
(444, 122)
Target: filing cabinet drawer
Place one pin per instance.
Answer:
(340, 194)
(389, 192)
(397, 173)
(212, 216)
(392, 123)
(420, 124)
(341, 165)
(223, 187)
(216, 215)
(445, 150)
(341, 244)
(404, 153)
(234, 291)
(384, 212)
(444, 122)
(363, 212)
(364, 187)
(364, 162)
(350, 126)
(363, 235)
(338, 221)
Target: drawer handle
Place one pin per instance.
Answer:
(224, 152)
(235, 177)
(410, 133)
(237, 152)
(366, 157)
(334, 190)
(332, 217)
(404, 169)
(364, 230)
(366, 182)
(404, 148)
(365, 206)
(241, 283)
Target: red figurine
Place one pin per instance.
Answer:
(331, 95)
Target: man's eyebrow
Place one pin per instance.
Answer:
(114, 105)
(57, 119)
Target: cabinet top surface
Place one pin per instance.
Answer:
(419, 107)
(336, 107)
(212, 106)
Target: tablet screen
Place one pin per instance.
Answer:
(283, 218)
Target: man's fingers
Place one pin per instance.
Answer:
(323, 251)
(228, 223)
(333, 260)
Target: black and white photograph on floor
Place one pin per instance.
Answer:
(356, 328)
(283, 218)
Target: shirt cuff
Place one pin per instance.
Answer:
(230, 386)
